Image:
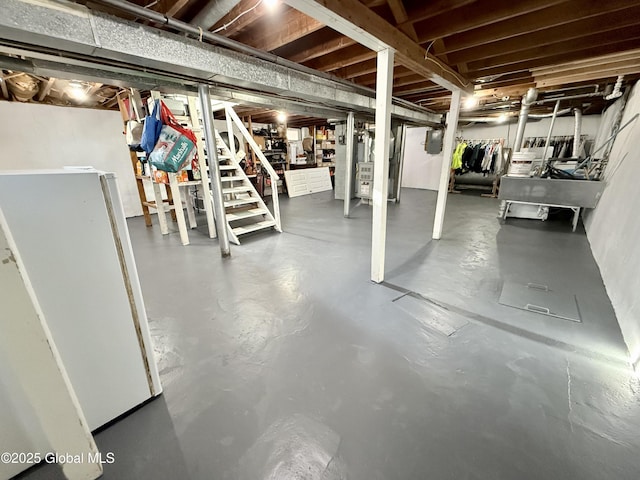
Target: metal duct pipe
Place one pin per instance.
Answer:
(570, 97)
(577, 132)
(553, 122)
(162, 19)
(527, 100)
(535, 116)
(212, 12)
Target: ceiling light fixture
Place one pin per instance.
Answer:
(77, 90)
(470, 103)
(270, 4)
(502, 118)
(282, 117)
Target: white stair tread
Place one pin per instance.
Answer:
(224, 157)
(253, 227)
(240, 201)
(227, 167)
(231, 178)
(231, 216)
(241, 189)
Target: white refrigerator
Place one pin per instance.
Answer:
(70, 229)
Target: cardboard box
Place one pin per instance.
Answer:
(260, 141)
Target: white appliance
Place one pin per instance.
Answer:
(70, 229)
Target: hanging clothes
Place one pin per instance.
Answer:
(456, 161)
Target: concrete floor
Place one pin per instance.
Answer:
(285, 362)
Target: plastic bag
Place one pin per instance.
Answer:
(173, 151)
(151, 129)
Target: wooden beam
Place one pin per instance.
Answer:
(343, 58)
(549, 36)
(425, 86)
(586, 53)
(292, 25)
(355, 20)
(610, 68)
(321, 49)
(402, 19)
(552, 16)
(45, 88)
(242, 19)
(434, 8)
(478, 14)
(599, 76)
(358, 70)
(629, 56)
(176, 7)
(562, 48)
(399, 73)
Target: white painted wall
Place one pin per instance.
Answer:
(37, 136)
(613, 228)
(535, 128)
(422, 170)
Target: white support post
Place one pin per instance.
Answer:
(178, 208)
(348, 180)
(160, 208)
(384, 84)
(449, 145)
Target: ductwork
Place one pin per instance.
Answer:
(212, 12)
(528, 99)
(103, 45)
(578, 130)
(535, 116)
(617, 92)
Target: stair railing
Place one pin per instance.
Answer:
(263, 161)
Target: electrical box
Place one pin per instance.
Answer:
(364, 180)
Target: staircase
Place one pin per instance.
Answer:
(245, 210)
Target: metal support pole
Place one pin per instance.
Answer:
(553, 122)
(348, 177)
(384, 84)
(447, 154)
(214, 169)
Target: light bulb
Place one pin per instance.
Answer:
(502, 118)
(270, 4)
(282, 117)
(470, 103)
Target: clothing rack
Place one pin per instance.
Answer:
(561, 145)
(478, 163)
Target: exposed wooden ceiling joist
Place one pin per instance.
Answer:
(240, 17)
(552, 16)
(556, 49)
(475, 15)
(570, 31)
(344, 58)
(324, 48)
(292, 25)
(354, 19)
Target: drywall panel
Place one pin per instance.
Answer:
(613, 228)
(421, 169)
(37, 136)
